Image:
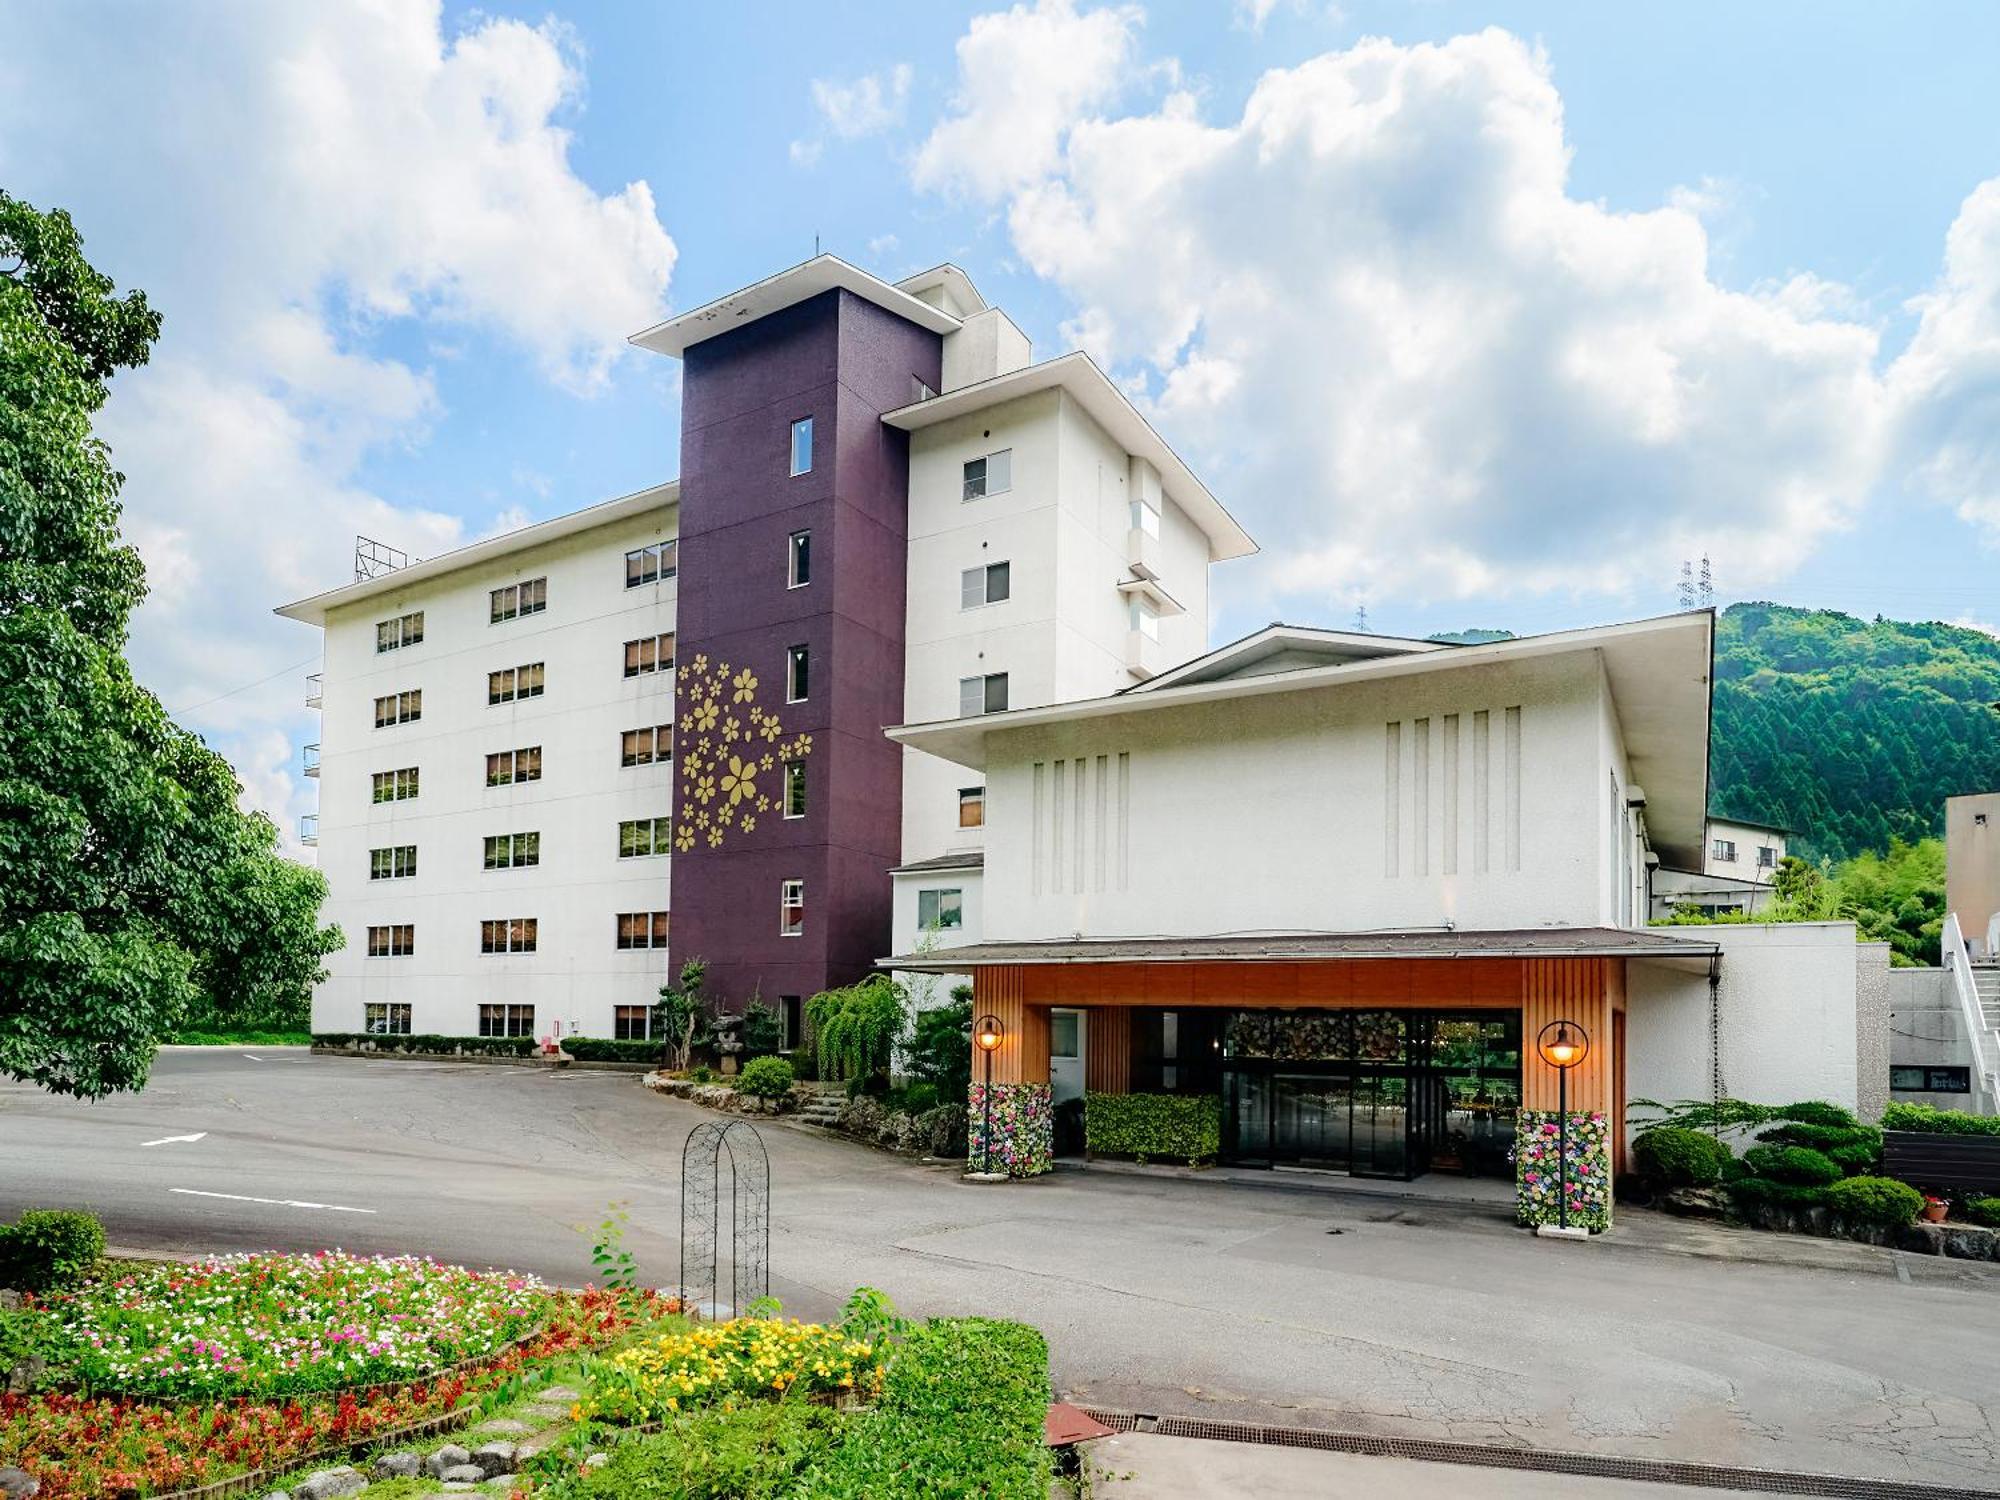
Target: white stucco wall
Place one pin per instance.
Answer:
(1276, 812)
(927, 990)
(580, 886)
(1787, 1010)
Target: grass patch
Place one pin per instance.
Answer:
(243, 1039)
(753, 1452)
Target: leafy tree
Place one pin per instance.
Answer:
(678, 1015)
(134, 893)
(763, 1032)
(856, 1029)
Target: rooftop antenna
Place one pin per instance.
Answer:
(815, 247)
(373, 559)
(1685, 593)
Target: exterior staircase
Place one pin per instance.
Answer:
(1986, 984)
(823, 1104)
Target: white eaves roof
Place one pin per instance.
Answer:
(658, 497)
(823, 273)
(1276, 639)
(1109, 407)
(1659, 671)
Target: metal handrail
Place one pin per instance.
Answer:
(315, 685)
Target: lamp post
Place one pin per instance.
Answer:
(987, 1036)
(1562, 1045)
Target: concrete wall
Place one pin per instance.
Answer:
(576, 892)
(1788, 1009)
(1926, 1026)
(927, 990)
(1872, 1006)
(1312, 809)
(1972, 865)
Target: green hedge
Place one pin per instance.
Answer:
(603, 1049)
(469, 1046)
(1178, 1127)
(1938, 1121)
(49, 1249)
(1799, 1165)
(961, 1413)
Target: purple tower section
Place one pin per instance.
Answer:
(841, 361)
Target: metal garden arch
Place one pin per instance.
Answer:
(744, 1208)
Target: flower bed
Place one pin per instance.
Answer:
(289, 1324)
(721, 1362)
(109, 1446)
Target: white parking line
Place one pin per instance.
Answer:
(168, 1140)
(338, 1208)
(253, 1057)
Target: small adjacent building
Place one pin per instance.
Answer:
(1739, 861)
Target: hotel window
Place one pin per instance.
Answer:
(1145, 517)
(939, 910)
(392, 942)
(795, 789)
(791, 1022)
(518, 599)
(1143, 617)
(653, 653)
(396, 786)
(641, 747)
(385, 1020)
(972, 807)
(404, 630)
(396, 863)
(799, 560)
(991, 475)
(504, 767)
(797, 673)
(802, 446)
(506, 1020)
(1767, 857)
(512, 683)
(631, 1023)
(508, 935)
(642, 929)
(644, 837)
(1724, 851)
(988, 585)
(982, 695)
(792, 909)
(1063, 1029)
(650, 564)
(399, 708)
(513, 851)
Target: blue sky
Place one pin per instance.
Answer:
(1483, 315)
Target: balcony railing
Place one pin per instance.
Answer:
(310, 755)
(313, 686)
(309, 829)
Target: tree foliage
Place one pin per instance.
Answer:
(1895, 898)
(679, 1014)
(135, 896)
(856, 1029)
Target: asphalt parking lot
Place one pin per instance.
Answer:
(1218, 1298)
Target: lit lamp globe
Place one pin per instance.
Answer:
(1563, 1044)
(988, 1034)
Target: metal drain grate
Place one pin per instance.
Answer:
(1541, 1460)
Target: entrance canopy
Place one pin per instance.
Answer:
(1310, 947)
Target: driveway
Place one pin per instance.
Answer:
(1264, 1303)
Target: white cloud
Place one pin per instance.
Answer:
(310, 193)
(1024, 77)
(871, 103)
(1402, 350)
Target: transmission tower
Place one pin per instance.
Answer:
(1686, 591)
(1705, 595)
(1361, 617)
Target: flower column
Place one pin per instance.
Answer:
(1022, 1108)
(1581, 990)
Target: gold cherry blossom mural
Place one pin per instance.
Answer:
(732, 752)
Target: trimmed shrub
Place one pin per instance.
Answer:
(427, 1045)
(1819, 1113)
(961, 1413)
(1179, 1127)
(753, 1452)
(765, 1078)
(1984, 1211)
(1938, 1121)
(1881, 1202)
(49, 1249)
(1855, 1148)
(1749, 1190)
(605, 1049)
(1670, 1156)
(1799, 1166)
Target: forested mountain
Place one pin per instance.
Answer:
(1850, 732)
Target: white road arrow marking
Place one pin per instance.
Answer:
(338, 1208)
(168, 1140)
(253, 1057)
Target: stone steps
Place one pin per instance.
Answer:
(823, 1105)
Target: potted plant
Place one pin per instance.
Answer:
(1934, 1209)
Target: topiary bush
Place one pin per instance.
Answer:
(765, 1078)
(1799, 1166)
(1766, 1190)
(1819, 1113)
(1879, 1202)
(1984, 1211)
(608, 1049)
(1670, 1156)
(1855, 1149)
(50, 1249)
(1177, 1127)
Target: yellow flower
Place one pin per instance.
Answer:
(745, 683)
(740, 780)
(768, 762)
(771, 728)
(749, 822)
(731, 731)
(704, 789)
(715, 838)
(705, 715)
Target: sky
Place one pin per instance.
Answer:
(1475, 316)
